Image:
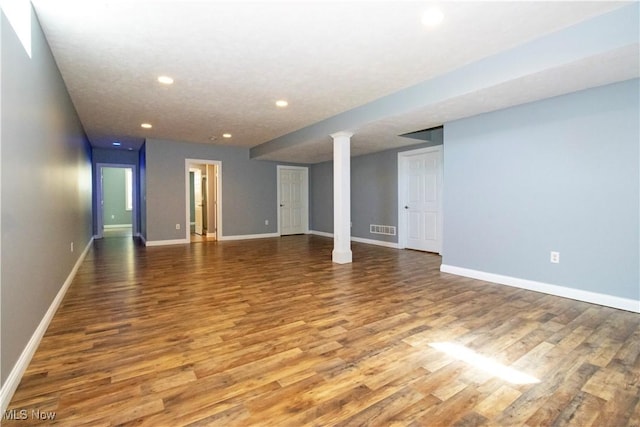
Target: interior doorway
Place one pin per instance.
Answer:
(203, 192)
(293, 200)
(420, 199)
(117, 204)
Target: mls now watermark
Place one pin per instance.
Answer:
(24, 414)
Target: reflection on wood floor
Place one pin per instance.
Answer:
(117, 232)
(271, 332)
(197, 238)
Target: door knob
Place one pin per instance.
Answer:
(406, 207)
(281, 205)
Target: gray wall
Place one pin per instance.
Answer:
(248, 189)
(114, 189)
(321, 197)
(374, 192)
(556, 175)
(46, 188)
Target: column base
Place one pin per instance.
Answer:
(341, 257)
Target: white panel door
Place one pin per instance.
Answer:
(291, 201)
(422, 201)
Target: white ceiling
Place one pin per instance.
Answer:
(232, 60)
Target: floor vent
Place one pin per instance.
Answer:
(389, 230)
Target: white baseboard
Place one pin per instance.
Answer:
(117, 226)
(375, 242)
(13, 380)
(165, 242)
(561, 291)
(359, 240)
(249, 236)
(321, 233)
(184, 241)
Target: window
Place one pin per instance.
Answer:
(18, 13)
(128, 189)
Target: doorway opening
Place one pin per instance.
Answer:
(203, 208)
(117, 204)
(420, 199)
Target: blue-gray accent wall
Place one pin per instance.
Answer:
(142, 194)
(46, 188)
(560, 174)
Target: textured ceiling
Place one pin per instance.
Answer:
(232, 60)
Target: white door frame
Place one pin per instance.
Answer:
(402, 169)
(188, 163)
(100, 200)
(197, 180)
(305, 195)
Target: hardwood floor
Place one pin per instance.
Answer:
(117, 232)
(270, 332)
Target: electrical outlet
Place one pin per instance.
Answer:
(555, 257)
(177, 226)
(266, 222)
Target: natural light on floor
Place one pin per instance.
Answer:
(483, 363)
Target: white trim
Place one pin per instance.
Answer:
(166, 242)
(321, 233)
(119, 226)
(358, 239)
(13, 380)
(561, 291)
(402, 165)
(194, 163)
(305, 195)
(342, 257)
(342, 198)
(374, 242)
(249, 236)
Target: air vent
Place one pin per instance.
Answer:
(389, 230)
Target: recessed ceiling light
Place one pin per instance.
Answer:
(117, 143)
(226, 135)
(166, 80)
(432, 17)
(281, 103)
(146, 126)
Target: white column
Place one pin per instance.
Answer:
(341, 197)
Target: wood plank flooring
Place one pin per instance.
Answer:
(270, 332)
